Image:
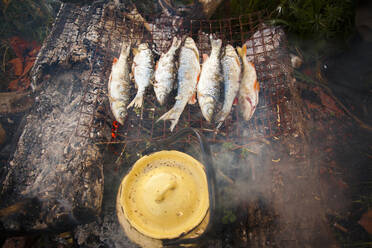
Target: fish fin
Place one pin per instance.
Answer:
(114, 61)
(239, 50)
(235, 101)
(252, 65)
(196, 54)
(256, 86)
(244, 49)
(135, 51)
(192, 99)
(173, 115)
(237, 61)
(136, 102)
(205, 57)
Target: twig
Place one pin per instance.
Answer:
(118, 160)
(339, 227)
(299, 75)
(136, 16)
(4, 56)
(228, 179)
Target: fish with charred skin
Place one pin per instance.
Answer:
(208, 88)
(249, 86)
(142, 69)
(165, 72)
(119, 84)
(188, 75)
(231, 70)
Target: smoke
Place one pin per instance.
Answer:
(271, 194)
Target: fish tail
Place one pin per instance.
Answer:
(192, 99)
(125, 48)
(176, 43)
(137, 101)
(220, 117)
(173, 115)
(216, 43)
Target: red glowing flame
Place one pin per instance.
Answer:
(114, 129)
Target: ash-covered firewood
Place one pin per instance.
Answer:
(55, 177)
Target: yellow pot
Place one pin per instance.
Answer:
(164, 196)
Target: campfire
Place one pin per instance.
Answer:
(71, 153)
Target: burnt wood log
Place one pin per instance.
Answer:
(55, 177)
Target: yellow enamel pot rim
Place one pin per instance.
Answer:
(165, 194)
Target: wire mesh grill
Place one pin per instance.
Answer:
(266, 49)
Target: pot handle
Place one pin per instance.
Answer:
(211, 179)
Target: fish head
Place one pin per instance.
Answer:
(190, 43)
(230, 51)
(120, 111)
(247, 107)
(207, 107)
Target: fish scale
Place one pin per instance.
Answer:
(210, 80)
(142, 69)
(165, 73)
(231, 70)
(119, 84)
(188, 72)
(249, 86)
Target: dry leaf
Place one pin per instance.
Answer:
(18, 45)
(25, 83)
(13, 85)
(34, 51)
(17, 65)
(366, 221)
(6, 3)
(28, 66)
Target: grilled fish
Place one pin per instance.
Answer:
(188, 74)
(142, 69)
(210, 79)
(231, 75)
(119, 84)
(165, 72)
(249, 86)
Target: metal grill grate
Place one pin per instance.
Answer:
(266, 49)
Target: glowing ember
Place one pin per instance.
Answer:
(114, 129)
